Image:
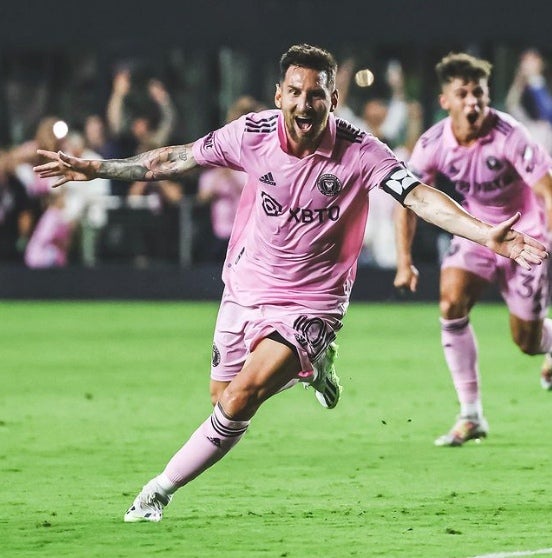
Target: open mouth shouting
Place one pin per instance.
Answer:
(472, 117)
(304, 123)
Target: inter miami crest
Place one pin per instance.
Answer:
(493, 163)
(329, 184)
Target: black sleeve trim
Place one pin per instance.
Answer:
(399, 182)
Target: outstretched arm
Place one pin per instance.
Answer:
(543, 188)
(164, 163)
(439, 209)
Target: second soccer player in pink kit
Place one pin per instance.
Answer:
(292, 255)
(497, 169)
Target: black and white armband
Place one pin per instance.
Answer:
(399, 182)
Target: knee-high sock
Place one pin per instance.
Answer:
(460, 348)
(207, 445)
(546, 339)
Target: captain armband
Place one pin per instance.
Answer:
(399, 182)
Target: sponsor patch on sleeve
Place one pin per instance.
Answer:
(399, 182)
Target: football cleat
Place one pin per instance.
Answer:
(546, 372)
(326, 384)
(149, 504)
(465, 429)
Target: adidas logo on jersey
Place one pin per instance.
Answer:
(268, 179)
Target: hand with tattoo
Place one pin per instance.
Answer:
(164, 163)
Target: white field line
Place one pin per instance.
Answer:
(516, 554)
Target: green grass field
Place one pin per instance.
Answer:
(95, 398)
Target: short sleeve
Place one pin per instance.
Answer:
(421, 162)
(222, 147)
(528, 157)
(384, 170)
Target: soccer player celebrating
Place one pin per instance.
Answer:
(497, 169)
(292, 255)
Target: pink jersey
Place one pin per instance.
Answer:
(300, 222)
(225, 187)
(50, 240)
(493, 176)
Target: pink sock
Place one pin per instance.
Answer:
(209, 443)
(546, 339)
(460, 350)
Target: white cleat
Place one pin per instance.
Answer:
(149, 504)
(465, 429)
(326, 385)
(546, 372)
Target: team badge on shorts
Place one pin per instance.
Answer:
(329, 184)
(313, 335)
(215, 357)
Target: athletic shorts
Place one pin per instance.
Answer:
(240, 328)
(525, 292)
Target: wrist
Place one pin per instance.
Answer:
(404, 262)
(536, 81)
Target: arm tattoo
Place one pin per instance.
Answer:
(158, 164)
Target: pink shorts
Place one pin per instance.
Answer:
(525, 292)
(240, 328)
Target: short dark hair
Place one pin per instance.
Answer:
(308, 56)
(463, 66)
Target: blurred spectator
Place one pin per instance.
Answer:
(16, 215)
(157, 236)
(222, 188)
(50, 241)
(396, 122)
(22, 158)
(24, 194)
(140, 114)
(147, 117)
(85, 208)
(98, 138)
(374, 114)
(69, 209)
(414, 126)
(394, 126)
(529, 98)
(388, 119)
(379, 237)
(344, 79)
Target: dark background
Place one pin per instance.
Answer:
(271, 25)
(53, 40)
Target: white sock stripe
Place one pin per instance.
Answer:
(226, 432)
(454, 325)
(225, 426)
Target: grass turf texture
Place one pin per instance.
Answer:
(95, 397)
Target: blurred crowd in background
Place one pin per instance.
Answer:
(91, 108)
